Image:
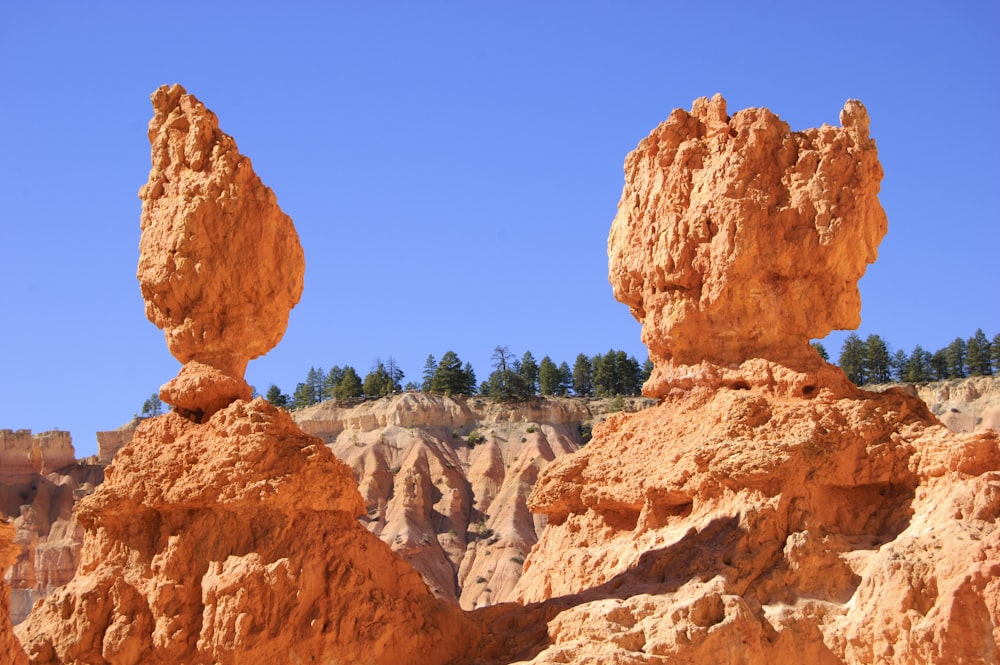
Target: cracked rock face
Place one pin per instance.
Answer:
(737, 238)
(220, 265)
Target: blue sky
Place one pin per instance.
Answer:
(453, 169)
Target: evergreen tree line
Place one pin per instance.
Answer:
(871, 361)
(512, 379)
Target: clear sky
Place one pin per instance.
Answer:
(453, 168)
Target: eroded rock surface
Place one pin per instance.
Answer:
(220, 265)
(10, 649)
(767, 511)
(456, 511)
(236, 541)
(737, 238)
(40, 481)
(222, 532)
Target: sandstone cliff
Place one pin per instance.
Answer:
(965, 405)
(457, 511)
(11, 652)
(40, 481)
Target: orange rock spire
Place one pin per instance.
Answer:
(220, 265)
(737, 238)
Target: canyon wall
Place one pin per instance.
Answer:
(40, 482)
(445, 480)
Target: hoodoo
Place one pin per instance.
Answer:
(766, 511)
(220, 265)
(223, 533)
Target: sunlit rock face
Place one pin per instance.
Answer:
(220, 265)
(737, 238)
(766, 511)
(223, 533)
(10, 649)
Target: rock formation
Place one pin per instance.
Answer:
(456, 511)
(223, 533)
(40, 481)
(738, 239)
(220, 265)
(11, 652)
(766, 511)
(966, 405)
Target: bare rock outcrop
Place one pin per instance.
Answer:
(220, 265)
(738, 239)
(766, 511)
(236, 541)
(10, 649)
(966, 405)
(40, 481)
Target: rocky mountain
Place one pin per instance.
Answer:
(763, 511)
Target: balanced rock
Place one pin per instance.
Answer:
(220, 265)
(737, 238)
(223, 533)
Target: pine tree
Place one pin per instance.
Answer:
(955, 355)
(821, 350)
(302, 397)
(528, 369)
(995, 354)
(877, 360)
(852, 359)
(548, 377)
(978, 355)
(449, 378)
(647, 370)
(152, 407)
(583, 377)
(275, 397)
(315, 380)
(470, 379)
(350, 384)
(333, 379)
(898, 365)
(506, 383)
(939, 365)
(430, 367)
(603, 376)
(378, 382)
(918, 366)
(565, 379)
